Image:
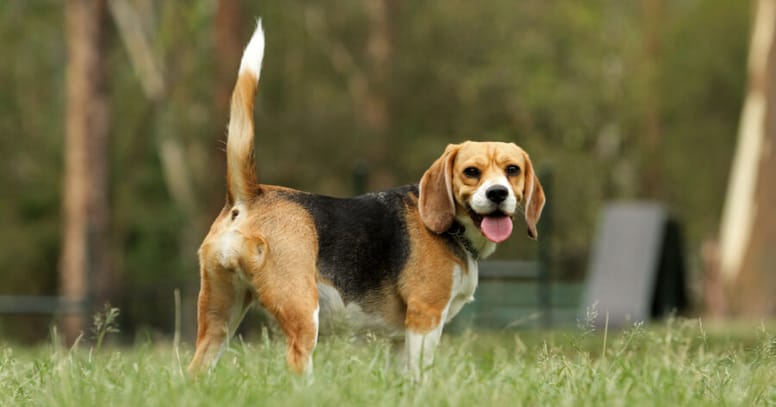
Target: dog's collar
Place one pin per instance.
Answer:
(458, 232)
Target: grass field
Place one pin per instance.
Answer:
(678, 363)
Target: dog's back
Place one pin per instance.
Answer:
(363, 242)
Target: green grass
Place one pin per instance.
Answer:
(678, 363)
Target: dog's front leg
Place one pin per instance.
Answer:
(424, 325)
(419, 349)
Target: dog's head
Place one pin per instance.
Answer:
(486, 182)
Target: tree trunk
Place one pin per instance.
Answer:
(651, 173)
(748, 229)
(375, 112)
(379, 49)
(85, 262)
(229, 45)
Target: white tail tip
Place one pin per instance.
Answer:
(254, 52)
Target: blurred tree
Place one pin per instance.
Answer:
(374, 110)
(651, 174)
(157, 40)
(748, 230)
(85, 272)
(229, 41)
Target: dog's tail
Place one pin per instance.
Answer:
(241, 180)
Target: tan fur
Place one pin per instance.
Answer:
(267, 252)
(534, 198)
(436, 205)
(241, 169)
(262, 246)
(426, 282)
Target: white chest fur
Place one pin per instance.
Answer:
(464, 285)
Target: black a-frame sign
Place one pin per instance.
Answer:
(637, 267)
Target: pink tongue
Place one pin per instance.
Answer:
(496, 228)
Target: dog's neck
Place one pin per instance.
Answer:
(469, 237)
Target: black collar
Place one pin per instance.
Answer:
(458, 232)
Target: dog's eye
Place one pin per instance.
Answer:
(471, 172)
(512, 170)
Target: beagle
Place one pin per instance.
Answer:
(405, 258)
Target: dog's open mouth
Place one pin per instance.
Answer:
(496, 226)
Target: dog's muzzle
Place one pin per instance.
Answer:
(491, 210)
(497, 193)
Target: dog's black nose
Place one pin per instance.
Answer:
(497, 193)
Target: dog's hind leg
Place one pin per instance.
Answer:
(224, 298)
(300, 326)
(292, 297)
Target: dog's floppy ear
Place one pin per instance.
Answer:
(533, 198)
(436, 202)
